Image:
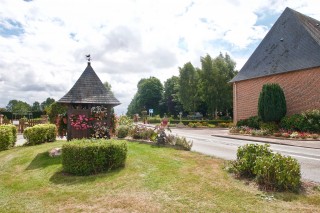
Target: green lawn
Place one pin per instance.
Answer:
(153, 180)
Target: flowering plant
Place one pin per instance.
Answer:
(100, 130)
(80, 122)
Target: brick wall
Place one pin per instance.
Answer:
(301, 89)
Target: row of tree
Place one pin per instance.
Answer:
(206, 90)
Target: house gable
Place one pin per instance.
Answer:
(293, 43)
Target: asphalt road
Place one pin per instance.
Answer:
(226, 148)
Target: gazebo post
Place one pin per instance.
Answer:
(69, 136)
(109, 116)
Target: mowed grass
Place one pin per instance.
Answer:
(155, 179)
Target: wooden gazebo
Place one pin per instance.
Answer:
(89, 105)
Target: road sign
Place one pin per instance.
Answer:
(151, 111)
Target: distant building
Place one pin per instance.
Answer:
(288, 55)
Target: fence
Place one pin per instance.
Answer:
(24, 123)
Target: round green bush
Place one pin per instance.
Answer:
(246, 158)
(86, 157)
(278, 172)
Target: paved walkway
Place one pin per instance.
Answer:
(20, 140)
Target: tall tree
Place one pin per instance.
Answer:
(170, 96)
(47, 103)
(36, 107)
(150, 93)
(108, 86)
(133, 107)
(55, 109)
(215, 89)
(188, 90)
(147, 97)
(20, 107)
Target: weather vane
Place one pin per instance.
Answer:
(88, 58)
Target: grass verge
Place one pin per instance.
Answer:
(155, 179)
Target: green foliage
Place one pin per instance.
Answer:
(45, 104)
(271, 127)
(272, 103)
(19, 107)
(171, 97)
(312, 120)
(308, 121)
(86, 157)
(142, 132)
(246, 158)
(13, 129)
(123, 131)
(292, 122)
(154, 120)
(54, 110)
(7, 137)
(278, 172)
(188, 91)
(215, 75)
(125, 120)
(40, 133)
(253, 122)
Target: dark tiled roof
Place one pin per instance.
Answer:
(89, 90)
(293, 43)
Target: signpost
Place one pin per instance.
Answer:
(150, 112)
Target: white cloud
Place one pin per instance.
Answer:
(128, 40)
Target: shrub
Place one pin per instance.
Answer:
(253, 122)
(272, 103)
(183, 143)
(125, 120)
(142, 132)
(312, 120)
(278, 172)
(6, 137)
(40, 133)
(13, 128)
(123, 131)
(246, 158)
(180, 142)
(271, 127)
(293, 122)
(85, 157)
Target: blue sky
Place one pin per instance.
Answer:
(43, 43)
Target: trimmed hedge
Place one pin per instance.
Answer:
(212, 122)
(40, 133)
(86, 157)
(8, 136)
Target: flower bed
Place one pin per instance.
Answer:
(244, 130)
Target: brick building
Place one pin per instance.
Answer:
(288, 55)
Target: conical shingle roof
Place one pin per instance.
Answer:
(293, 43)
(89, 90)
